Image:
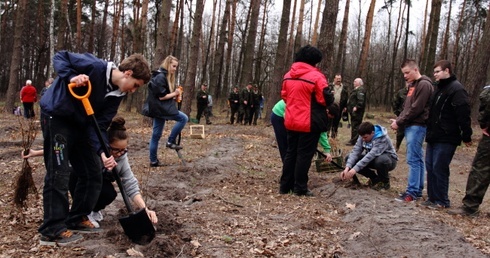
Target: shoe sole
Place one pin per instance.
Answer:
(87, 231)
(54, 243)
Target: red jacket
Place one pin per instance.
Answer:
(303, 89)
(28, 94)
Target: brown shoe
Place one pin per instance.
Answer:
(85, 226)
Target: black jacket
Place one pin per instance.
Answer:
(449, 116)
(158, 87)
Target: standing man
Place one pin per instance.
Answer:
(449, 123)
(257, 98)
(246, 103)
(306, 94)
(355, 106)
(397, 106)
(28, 96)
(479, 177)
(340, 98)
(202, 103)
(234, 102)
(413, 118)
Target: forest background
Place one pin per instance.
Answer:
(227, 43)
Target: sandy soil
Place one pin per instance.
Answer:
(224, 203)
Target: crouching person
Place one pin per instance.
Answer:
(373, 156)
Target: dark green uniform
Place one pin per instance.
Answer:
(479, 177)
(397, 105)
(357, 98)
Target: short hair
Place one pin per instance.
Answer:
(334, 110)
(138, 64)
(365, 128)
(28, 82)
(360, 81)
(409, 62)
(444, 64)
(308, 54)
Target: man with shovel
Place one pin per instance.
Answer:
(71, 144)
(373, 156)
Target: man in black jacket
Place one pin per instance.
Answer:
(234, 102)
(449, 123)
(202, 104)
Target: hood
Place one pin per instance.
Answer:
(379, 131)
(299, 69)
(160, 70)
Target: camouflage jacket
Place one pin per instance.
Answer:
(484, 110)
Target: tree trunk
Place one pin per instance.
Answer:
(229, 51)
(16, 57)
(194, 51)
(327, 35)
(433, 31)
(161, 50)
(51, 39)
(102, 44)
(315, 27)
(361, 68)
(339, 67)
(289, 48)
(457, 37)
(299, 31)
(247, 68)
(445, 41)
(477, 76)
(62, 25)
(208, 51)
(118, 7)
(260, 53)
(175, 29)
(217, 71)
(280, 61)
(90, 42)
(423, 37)
(79, 25)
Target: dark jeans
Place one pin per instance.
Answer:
(301, 148)
(355, 120)
(254, 114)
(234, 110)
(281, 134)
(333, 126)
(28, 109)
(438, 156)
(202, 109)
(479, 178)
(107, 194)
(378, 169)
(66, 143)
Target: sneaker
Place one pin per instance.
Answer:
(308, 193)
(97, 215)
(173, 146)
(63, 239)
(463, 212)
(436, 206)
(156, 164)
(427, 203)
(381, 186)
(405, 198)
(93, 221)
(85, 226)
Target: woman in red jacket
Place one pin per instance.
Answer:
(28, 95)
(306, 93)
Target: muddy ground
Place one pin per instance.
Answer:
(225, 203)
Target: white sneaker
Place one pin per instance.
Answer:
(92, 220)
(97, 215)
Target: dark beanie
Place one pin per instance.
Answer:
(308, 54)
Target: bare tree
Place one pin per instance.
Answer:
(315, 27)
(299, 30)
(340, 60)
(16, 57)
(249, 51)
(327, 34)
(217, 71)
(444, 50)
(431, 40)
(361, 67)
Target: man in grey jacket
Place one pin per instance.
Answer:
(373, 156)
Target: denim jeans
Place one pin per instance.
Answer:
(281, 134)
(415, 135)
(383, 164)
(438, 156)
(158, 124)
(66, 150)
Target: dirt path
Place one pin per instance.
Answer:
(225, 203)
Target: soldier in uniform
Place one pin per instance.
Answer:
(202, 103)
(355, 106)
(246, 103)
(397, 105)
(479, 177)
(234, 102)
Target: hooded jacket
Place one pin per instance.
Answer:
(28, 94)
(416, 105)
(449, 116)
(379, 144)
(306, 93)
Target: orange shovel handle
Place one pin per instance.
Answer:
(84, 98)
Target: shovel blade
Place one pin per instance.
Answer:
(138, 227)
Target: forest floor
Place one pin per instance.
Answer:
(225, 203)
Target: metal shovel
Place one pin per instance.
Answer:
(137, 225)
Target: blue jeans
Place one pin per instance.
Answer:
(66, 150)
(415, 135)
(158, 124)
(438, 156)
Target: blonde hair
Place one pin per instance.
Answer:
(170, 76)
